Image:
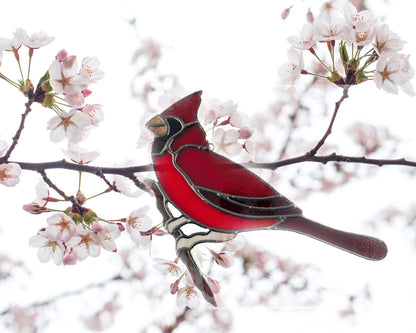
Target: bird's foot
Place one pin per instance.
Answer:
(188, 242)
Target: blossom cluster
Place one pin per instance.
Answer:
(77, 233)
(362, 42)
(66, 78)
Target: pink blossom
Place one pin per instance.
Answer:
(34, 208)
(9, 174)
(50, 247)
(95, 112)
(90, 69)
(137, 223)
(69, 259)
(214, 285)
(71, 125)
(223, 259)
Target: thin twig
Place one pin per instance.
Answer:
(320, 143)
(18, 133)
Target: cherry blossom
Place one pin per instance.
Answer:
(387, 42)
(330, 27)
(50, 247)
(354, 17)
(95, 112)
(61, 226)
(34, 41)
(64, 77)
(291, 71)
(214, 109)
(123, 186)
(393, 72)
(107, 234)
(9, 174)
(10, 44)
(90, 69)
(71, 125)
(227, 140)
(42, 193)
(166, 266)
(80, 155)
(138, 223)
(306, 40)
(84, 243)
(188, 296)
(361, 34)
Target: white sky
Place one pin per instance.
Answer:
(231, 50)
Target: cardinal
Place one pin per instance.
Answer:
(223, 197)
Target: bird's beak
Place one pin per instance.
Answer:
(158, 126)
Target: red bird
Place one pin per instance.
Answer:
(222, 196)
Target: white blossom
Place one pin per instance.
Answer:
(50, 247)
(34, 41)
(136, 224)
(392, 72)
(84, 243)
(353, 17)
(331, 27)
(168, 267)
(290, 72)
(387, 42)
(306, 40)
(61, 226)
(80, 155)
(107, 234)
(227, 140)
(188, 296)
(71, 125)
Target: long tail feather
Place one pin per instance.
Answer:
(361, 245)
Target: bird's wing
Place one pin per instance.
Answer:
(230, 187)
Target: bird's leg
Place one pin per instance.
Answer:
(188, 242)
(174, 223)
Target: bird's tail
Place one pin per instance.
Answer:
(361, 245)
